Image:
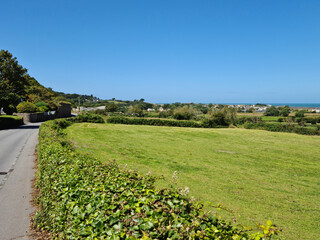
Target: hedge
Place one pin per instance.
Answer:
(10, 122)
(80, 198)
(278, 127)
(160, 122)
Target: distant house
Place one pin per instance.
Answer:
(316, 110)
(150, 110)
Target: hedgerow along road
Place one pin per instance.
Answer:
(17, 148)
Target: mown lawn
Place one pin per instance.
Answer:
(260, 175)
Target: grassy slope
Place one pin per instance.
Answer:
(260, 175)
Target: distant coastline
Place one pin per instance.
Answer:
(305, 105)
(302, 105)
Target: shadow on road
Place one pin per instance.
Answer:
(29, 127)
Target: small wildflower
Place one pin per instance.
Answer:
(175, 175)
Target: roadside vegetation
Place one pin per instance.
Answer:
(19, 92)
(257, 175)
(7, 121)
(79, 197)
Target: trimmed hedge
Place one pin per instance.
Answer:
(80, 198)
(160, 122)
(10, 122)
(278, 127)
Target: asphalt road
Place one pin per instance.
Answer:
(17, 148)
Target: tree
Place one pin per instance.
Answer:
(135, 110)
(284, 112)
(12, 81)
(300, 114)
(111, 107)
(272, 111)
(184, 113)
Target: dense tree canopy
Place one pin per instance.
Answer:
(12, 82)
(272, 111)
(16, 85)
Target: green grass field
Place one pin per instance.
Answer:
(260, 175)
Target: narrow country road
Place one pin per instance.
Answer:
(17, 148)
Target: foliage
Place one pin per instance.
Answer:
(80, 198)
(42, 106)
(111, 107)
(9, 109)
(220, 117)
(135, 110)
(161, 122)
(275, 127)
(87, 117)
(26, 107)
(12, 81)
(10, 121)
(299, 114)
(17, 85)
(272, 111)
(184, 113)
(285, 111)
(242, 120)
(153, 122)
(165, 114)
(312, 120)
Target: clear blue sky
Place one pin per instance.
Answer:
(169, 50)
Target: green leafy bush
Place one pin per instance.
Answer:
(9, 109)
(154, 122)
(80, 198)
(88, 117)
(278, 127)
(42, 106)
(10, 121)
(272, 111)
(184, 113)
(242, 120)
(26, 107)
(299, 114)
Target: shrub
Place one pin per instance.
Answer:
(88, 117)
(285, 111)
(214, 119)
(9, 110)
(26, 107)
(242, 120)
(299, 114)
(80, 198)
(276, 127)
(153, 122)
(272, 111)
(42, 106)
(281, 119)
(10, 122)
(312, 120)
(184, 113)
(165, 114)
(111, 107)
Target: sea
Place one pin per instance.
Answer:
(308, 105)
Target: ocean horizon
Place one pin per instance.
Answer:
(309, 105)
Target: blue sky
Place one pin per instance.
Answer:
(169, 50)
